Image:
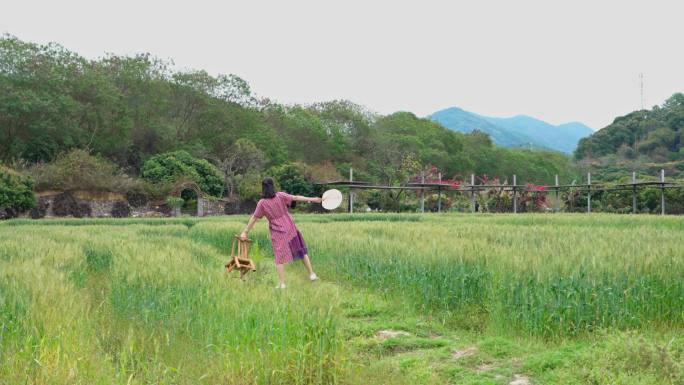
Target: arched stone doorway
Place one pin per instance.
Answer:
(190, 202)
(205, 204)
(192, 199)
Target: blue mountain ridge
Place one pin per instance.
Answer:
(516, 131)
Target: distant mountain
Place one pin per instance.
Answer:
(517, 131)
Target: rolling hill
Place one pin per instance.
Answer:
(655, 134)
(516, 131)
(644, 141)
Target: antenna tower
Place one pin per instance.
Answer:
(641, 87)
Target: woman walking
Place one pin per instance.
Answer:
(286, 239)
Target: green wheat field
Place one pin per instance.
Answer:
(403, 299)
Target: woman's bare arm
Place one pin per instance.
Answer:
(300, 198)
(247, 229)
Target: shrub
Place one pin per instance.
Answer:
(78, 170)
(16, 193)
(172, 167)
(174, 202)
(432, 202)
(248, 186)
(390, 201)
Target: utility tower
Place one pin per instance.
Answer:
(641, 88)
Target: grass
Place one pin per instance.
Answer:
(572, 299)
(548, 279)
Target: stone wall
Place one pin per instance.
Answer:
(206, 207)
(81, 204)
(102, 205)
(237, 207)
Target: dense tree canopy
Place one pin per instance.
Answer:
(171, 167)
(656, 134)
(128, 110)
(291, 179)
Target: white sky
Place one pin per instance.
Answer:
(559, 61)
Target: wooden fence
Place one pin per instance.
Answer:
(472, 188)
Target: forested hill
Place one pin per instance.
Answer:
(516, 131)
(127, 109)
(655, 135)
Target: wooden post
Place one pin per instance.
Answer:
(439, 194)
(351, 194)
(422, 192)
(515, 195)
(588, 192)
(557, 195)
(662, 191)
(634, 193)
(472, 190)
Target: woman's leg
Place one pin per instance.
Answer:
(281, 273)
(307, 263)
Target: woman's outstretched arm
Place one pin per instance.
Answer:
(300, 198)
(247, 229)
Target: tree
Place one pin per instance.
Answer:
(128, 109)
(174, 166)
(229, 88)
(248, 186)
(347, 124)
(38, 116)
(16, 193)
(300, 129)
(291, 179)
(242, 159)
(654, 133)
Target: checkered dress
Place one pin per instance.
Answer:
(287, 241)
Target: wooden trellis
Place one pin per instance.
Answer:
(515, 188)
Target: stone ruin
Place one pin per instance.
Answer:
(80, 204)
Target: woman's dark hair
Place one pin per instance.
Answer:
(267, 188)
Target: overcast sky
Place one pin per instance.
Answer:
(559, 61)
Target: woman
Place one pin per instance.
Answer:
(287, 241)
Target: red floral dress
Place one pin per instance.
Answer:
(287, 241)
